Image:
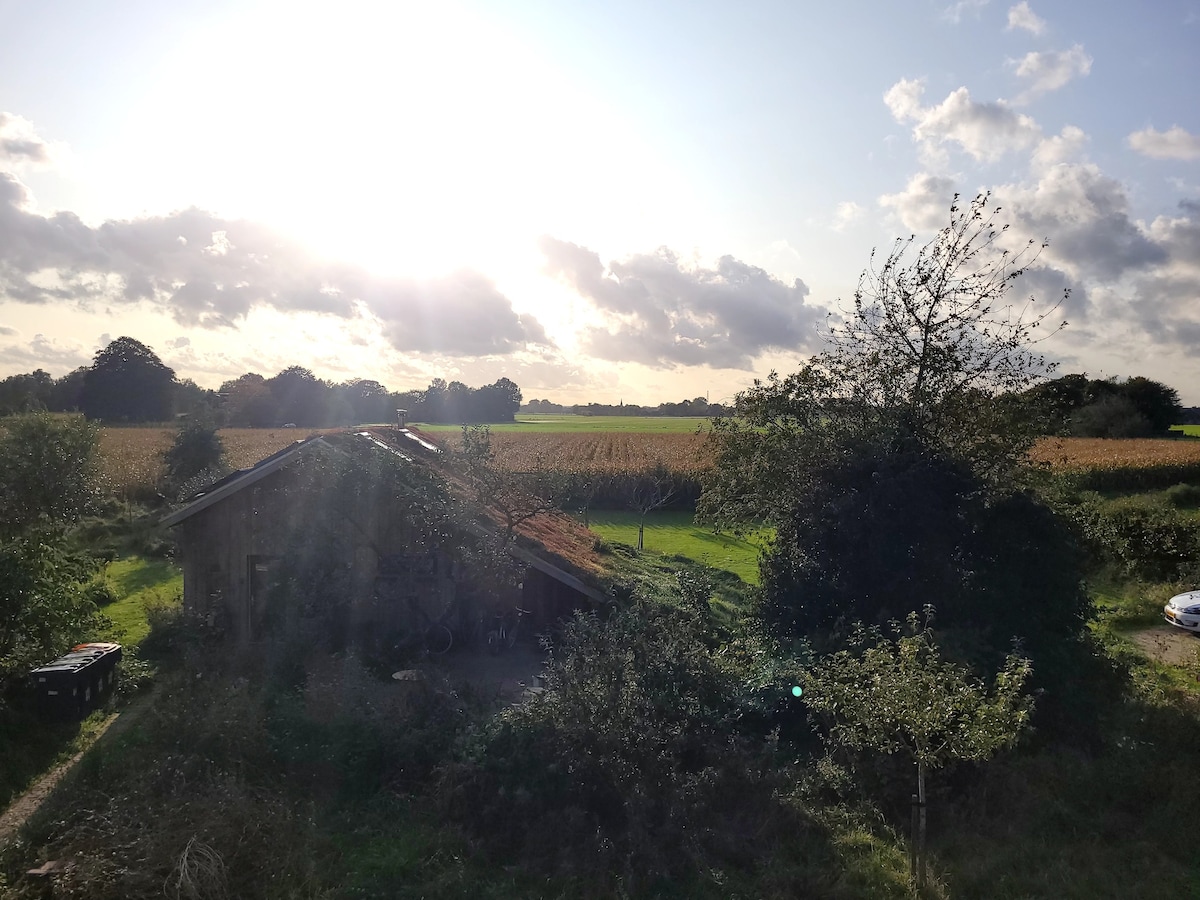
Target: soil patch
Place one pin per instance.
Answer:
(1168, 645)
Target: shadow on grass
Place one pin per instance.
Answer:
(129, 576)
(30, 745)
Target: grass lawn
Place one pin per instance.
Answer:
(532, 423)
(676, 534)
(29, 744)
(1189, 430)
(141, 584)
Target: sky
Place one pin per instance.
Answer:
(629, 202)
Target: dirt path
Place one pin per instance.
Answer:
(20, 810)
(1167, 644)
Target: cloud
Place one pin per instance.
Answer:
(1085, 214)
(986, 131)
(1174, 143)
(1050, 70)
(924, 204)
(847, 212)
(955, 12)
(44, 353)
(210, 272)
(1062, 147)
(664, 314)
(1021, 16)
(7, 332)
(19, 143)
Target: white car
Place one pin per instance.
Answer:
(1183, 610)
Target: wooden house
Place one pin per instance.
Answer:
(375, 521)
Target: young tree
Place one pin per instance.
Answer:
(196, 455)
(646, 492)
(517, 496)
(48, 470)
(897, 695)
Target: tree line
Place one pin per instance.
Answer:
(127, 383)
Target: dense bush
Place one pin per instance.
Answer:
(1146, 539)
(887, 528)
(648, 754)
(1184, 496)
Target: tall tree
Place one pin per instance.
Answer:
(128, 383)
(300, 397)
(885, 458)
(48, 470)
(247, 402)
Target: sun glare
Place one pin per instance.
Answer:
(411, 138)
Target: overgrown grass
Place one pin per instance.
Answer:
(674, 533)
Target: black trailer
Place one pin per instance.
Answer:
(78, 682)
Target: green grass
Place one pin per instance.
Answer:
(29, 745)
(676, 534)
(1189, 430)
(535, 423)
(141, 584)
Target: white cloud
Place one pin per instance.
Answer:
(1065, 146)
(1085, 214)
(924, 204)
(1051, 70)
(20, 144)
(846, 213)
(986, 131)
(662, 313)
(212, 272)
(1174, 143)
(1021, 16)
(955, 12)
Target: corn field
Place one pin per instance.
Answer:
(131, 458)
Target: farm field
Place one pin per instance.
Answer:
(1103, 453)
(1187, 430)
(673, 533)
(530, 423)
(131, 458)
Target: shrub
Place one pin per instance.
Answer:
(648, 753)
(1184, 496)
(1148, 541)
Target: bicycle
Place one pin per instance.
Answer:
(504, 636)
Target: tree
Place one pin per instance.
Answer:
(48, 470)
(499, 402)
(516, 496)
(1112, 416)
(896, 695)
(885, 460)
(300, 397)
(128, 383)
(1156, 401)
(196, 453)
(44, 607)
(646, 492)
(927, 354)
(247, 402)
